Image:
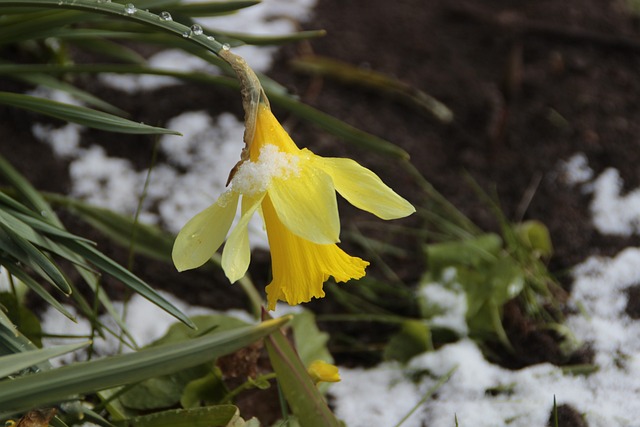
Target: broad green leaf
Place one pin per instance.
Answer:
(535, 235)
(204, 390)
(46, 388)
(414, 338)
(16, 362)
(208, 416)
(303, 396)
(469, 252)
(81, 115)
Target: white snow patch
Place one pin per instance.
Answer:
(449, 305)
(614, 213)
(576, 170)
(606, 397)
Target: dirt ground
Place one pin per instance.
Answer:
(530, 84)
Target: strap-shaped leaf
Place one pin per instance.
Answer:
(301, 393)
(46, 388)
(81, 115)
(130, 280)
(16, 362)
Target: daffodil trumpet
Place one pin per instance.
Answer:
(294, 190)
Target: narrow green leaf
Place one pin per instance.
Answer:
(149, 240)
(264, 40)
(46, 388)
(114, 269)
(374, 80)
(81, 115)
(338, 127)
(301, 393)
(210, 8)
(36, 287)
(79, 94)
(16, 362)
(109, 49)
(31, 256)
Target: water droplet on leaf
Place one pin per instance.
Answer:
(226, 46)
(129, 9)
(196, 30)
(165, 16)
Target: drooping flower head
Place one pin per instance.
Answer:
(295, 190)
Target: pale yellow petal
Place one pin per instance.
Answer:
(301, 267)
(306, 204)
(364, 189)
(236, 254)
(204, 233)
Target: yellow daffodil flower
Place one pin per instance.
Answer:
(319, 370)
(295, 191)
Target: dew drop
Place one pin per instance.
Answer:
(165, 16)
(211, 38)
(43, 213)
(226, 46)
(196, 30)
(185, 34)
(129, 9)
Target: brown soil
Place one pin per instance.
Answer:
(530, 83)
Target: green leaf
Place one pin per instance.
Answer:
(79, 94)
(27, 322)
(209, 416)
(210, 8)
(149, 240)
(311, 343)
(81, 115)
(414, 338)
(535, 235)
(470, 252)
(16, 362)
(164, 391)
(204, 390)
(127, 278)
(46, 388)
(303, 396)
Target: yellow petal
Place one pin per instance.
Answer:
(364, 189)
(319, 370)
(236, 254)
(301, 267)
(306, 204)
(204, 233)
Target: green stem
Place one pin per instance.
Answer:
(124, 12)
